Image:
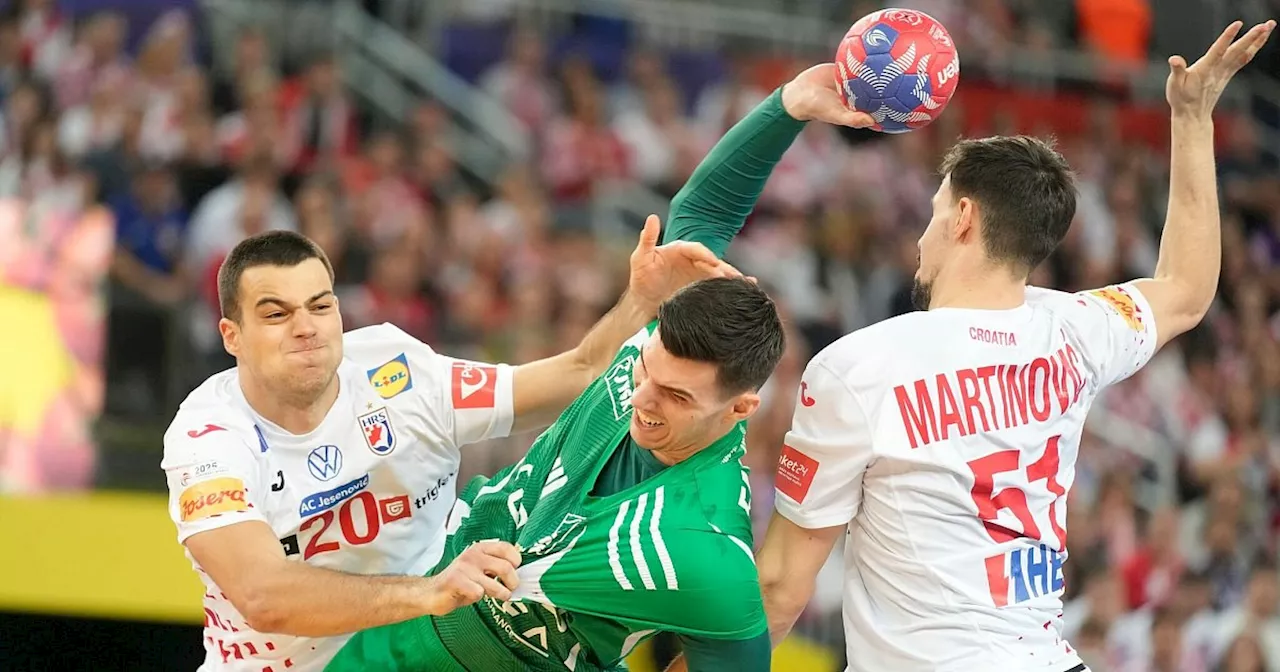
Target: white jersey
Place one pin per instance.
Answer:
(947, 441)
(366, 492)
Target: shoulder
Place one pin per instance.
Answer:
(1095, 312)
(1125, 299)
(873, 343)
(375, 341)
(1067, 304)
(636, 342)
(389, 359)
(209, 424)
(715, 519)
(717, 577)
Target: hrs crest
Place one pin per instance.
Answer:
(378, 435)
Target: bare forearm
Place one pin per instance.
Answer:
(312, 602)
(601, 344)
(1191, 245)
(543, 389)
(788, 562)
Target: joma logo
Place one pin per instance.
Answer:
(620, 383)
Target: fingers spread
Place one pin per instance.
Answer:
(1220, 45)
(1247, 47)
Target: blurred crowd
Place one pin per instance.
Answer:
(126, 175)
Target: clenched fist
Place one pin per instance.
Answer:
(485, 568)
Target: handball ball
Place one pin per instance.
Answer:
(900, 66)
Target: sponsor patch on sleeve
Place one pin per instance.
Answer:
(1121, 302)
(474, 386)
(212, 497)
(795, 473)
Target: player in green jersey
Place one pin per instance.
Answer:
(632, 511)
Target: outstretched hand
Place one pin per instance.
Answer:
(1194, 90)
(815, 95)
(657, 271)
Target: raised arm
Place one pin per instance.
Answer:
(1186, 276)
(705, 216)
(715, 202)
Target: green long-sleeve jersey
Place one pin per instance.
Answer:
(602, 573)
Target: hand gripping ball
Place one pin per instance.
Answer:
(900, 66)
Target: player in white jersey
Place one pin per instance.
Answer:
(943, 443)
(324, 459)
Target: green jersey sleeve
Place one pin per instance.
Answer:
(715, 202)
(742, 655)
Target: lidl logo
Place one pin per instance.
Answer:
(392, 378)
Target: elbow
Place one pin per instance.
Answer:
(264, 614)
(783, 600)
(783, 607)
(263, 610)
(587, 366)
(1191, 313)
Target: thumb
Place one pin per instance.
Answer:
(1178, 65)
(649, 236)
(858, 119)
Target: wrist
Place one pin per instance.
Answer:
(1191, 120)
(432, 601)
(636, 310)
(792, 101)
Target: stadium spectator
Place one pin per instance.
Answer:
(521, 83)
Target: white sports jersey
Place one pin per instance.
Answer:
(366, 492)
(947, 441)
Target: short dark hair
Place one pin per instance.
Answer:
(271, 248)
(1026, 190)
(729, 322)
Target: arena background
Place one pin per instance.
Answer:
(477, 169)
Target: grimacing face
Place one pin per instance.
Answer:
(289, 336)
(678, 406)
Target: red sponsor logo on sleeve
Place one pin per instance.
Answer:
(474, 386)
(195, 434)
(795, 473)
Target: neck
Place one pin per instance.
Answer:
(674, 456)
(294, 415)
(984, 287)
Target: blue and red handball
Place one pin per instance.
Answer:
(900, 66)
